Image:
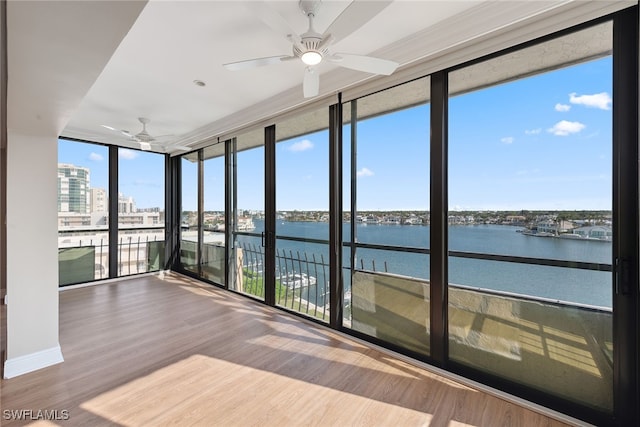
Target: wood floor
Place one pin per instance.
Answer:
(157, 351)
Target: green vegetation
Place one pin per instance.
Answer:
(289, 298)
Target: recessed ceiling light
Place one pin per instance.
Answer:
(199, 83)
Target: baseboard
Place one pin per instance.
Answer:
(32, 362)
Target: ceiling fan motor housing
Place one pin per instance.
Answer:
(310, 44)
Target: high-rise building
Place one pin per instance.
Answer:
(126, 204)
(73, 188)
(99, 200)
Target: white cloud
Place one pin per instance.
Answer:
(533, 131)
(365, 172)
(563, 107)
(96, 157)
(507, 140)
(564, 128)
(125, 153)
(303, 145)
(598, 100)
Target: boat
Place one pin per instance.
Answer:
(246, 224)
(297, 280)
(571, 236)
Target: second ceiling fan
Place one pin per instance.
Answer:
(312, 48)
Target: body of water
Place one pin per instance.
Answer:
(555, 283)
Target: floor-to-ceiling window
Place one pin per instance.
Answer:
(519, 177)
(248, 227)
(530, 217)
(302, 214)
(190, 219)
(83, 229)
(141, 215)
(85, 179)
(213, 219)
(387, 149)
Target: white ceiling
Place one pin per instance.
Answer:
(74, 66)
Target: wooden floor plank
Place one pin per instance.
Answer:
(155, 351)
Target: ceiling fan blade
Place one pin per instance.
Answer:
(311, 83)
(353, 17)
(258, 62)
(124, 132)
(272, 19)
(367, 64)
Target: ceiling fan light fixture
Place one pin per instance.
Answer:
(311, 57)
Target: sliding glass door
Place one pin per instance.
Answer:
(387, 287)
(530, 217)
(302, 214)
(248, 215)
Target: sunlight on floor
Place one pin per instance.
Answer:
(204, 391)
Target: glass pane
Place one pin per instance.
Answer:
(387, 287)
(83, 227)
(248, 215)
(189, 221)
(302, 277)
(302, 204)
(392, 308)
(346, 214)
(213, 257)
(392, 169)
(530, 175)
(140, 211)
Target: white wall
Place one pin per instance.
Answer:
(32, 253)
(55, 52)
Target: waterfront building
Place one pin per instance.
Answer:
(596, 232)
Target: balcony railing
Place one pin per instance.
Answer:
(301, 280)
(86, 258)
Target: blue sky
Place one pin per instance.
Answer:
(140, 173)
(537, 143)
(540, 143)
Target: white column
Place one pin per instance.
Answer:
(32, 254)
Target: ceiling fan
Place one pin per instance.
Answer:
(144, 139)
(312, 48)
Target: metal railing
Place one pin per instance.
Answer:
(313, 300)
(301, 280)
(87, 258)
